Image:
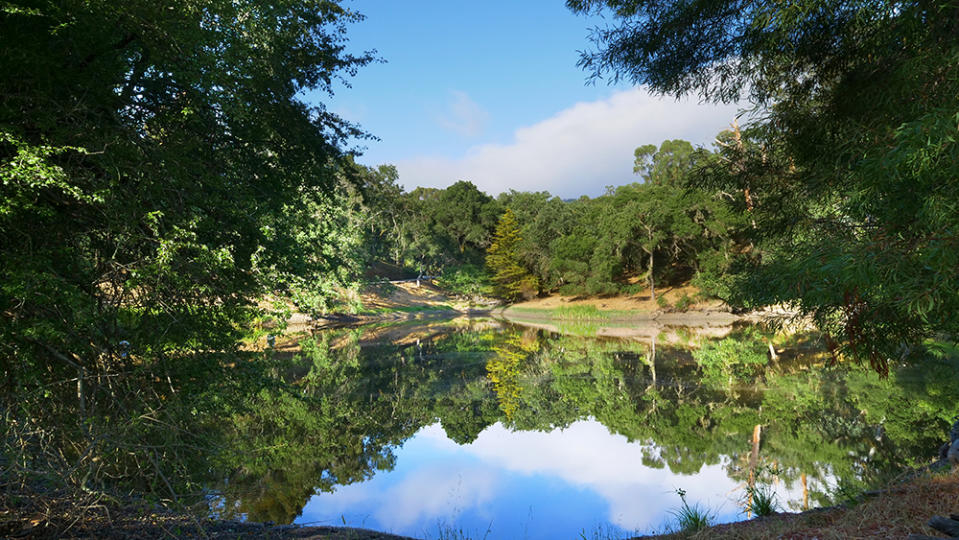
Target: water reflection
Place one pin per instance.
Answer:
(521, 484)
(524, 432)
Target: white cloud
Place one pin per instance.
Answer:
(463, 116)
(578, 151)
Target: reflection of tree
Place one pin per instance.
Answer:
(339, 411)
(354, 403)
(503, 370)
(269, 432)
(819, 427)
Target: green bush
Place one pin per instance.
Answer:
(684, 302)
(466, 280)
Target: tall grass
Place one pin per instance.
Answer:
(761, 500)
(604, 532)
(691, 518)
(446, 531)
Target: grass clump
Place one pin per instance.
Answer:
(761, 501)
(684, 302)
(691, 518)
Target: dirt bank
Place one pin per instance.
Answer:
(896, 512)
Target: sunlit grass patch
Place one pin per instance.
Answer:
(578, 312)
(408, 309)
(574, 313)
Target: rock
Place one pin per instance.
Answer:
(953, 454)
(945, 525)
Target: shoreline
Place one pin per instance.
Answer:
(900, 509)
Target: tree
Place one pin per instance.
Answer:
(467, 215)
(542, 219)
(160, 175)
(443, 227)
(509, 275)
(671, 164)
(848, 174)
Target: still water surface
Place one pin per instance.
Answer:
(497, 430)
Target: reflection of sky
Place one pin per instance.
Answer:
(522, 485)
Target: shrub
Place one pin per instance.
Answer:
(466, 280)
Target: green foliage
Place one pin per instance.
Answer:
(670, 164)
(161, 175)
(467, 280)
(684, 302)
(436, 228)
(738, 358)
(848, 175)
(512, 280)
(761, 500)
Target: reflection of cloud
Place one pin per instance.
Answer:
(463, 116)
(437, 480)
(430, 494)
(586, 455)
(577, 151)
(436, 492)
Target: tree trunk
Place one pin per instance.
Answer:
(652, 359)
(805, 493)
(652, 283)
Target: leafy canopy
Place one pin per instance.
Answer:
(848, 171)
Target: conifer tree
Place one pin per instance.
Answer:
(511, 278)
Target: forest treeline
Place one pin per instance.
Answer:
(666, 227)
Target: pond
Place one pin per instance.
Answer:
(487, 429)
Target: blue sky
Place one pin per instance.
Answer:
(490, 92)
